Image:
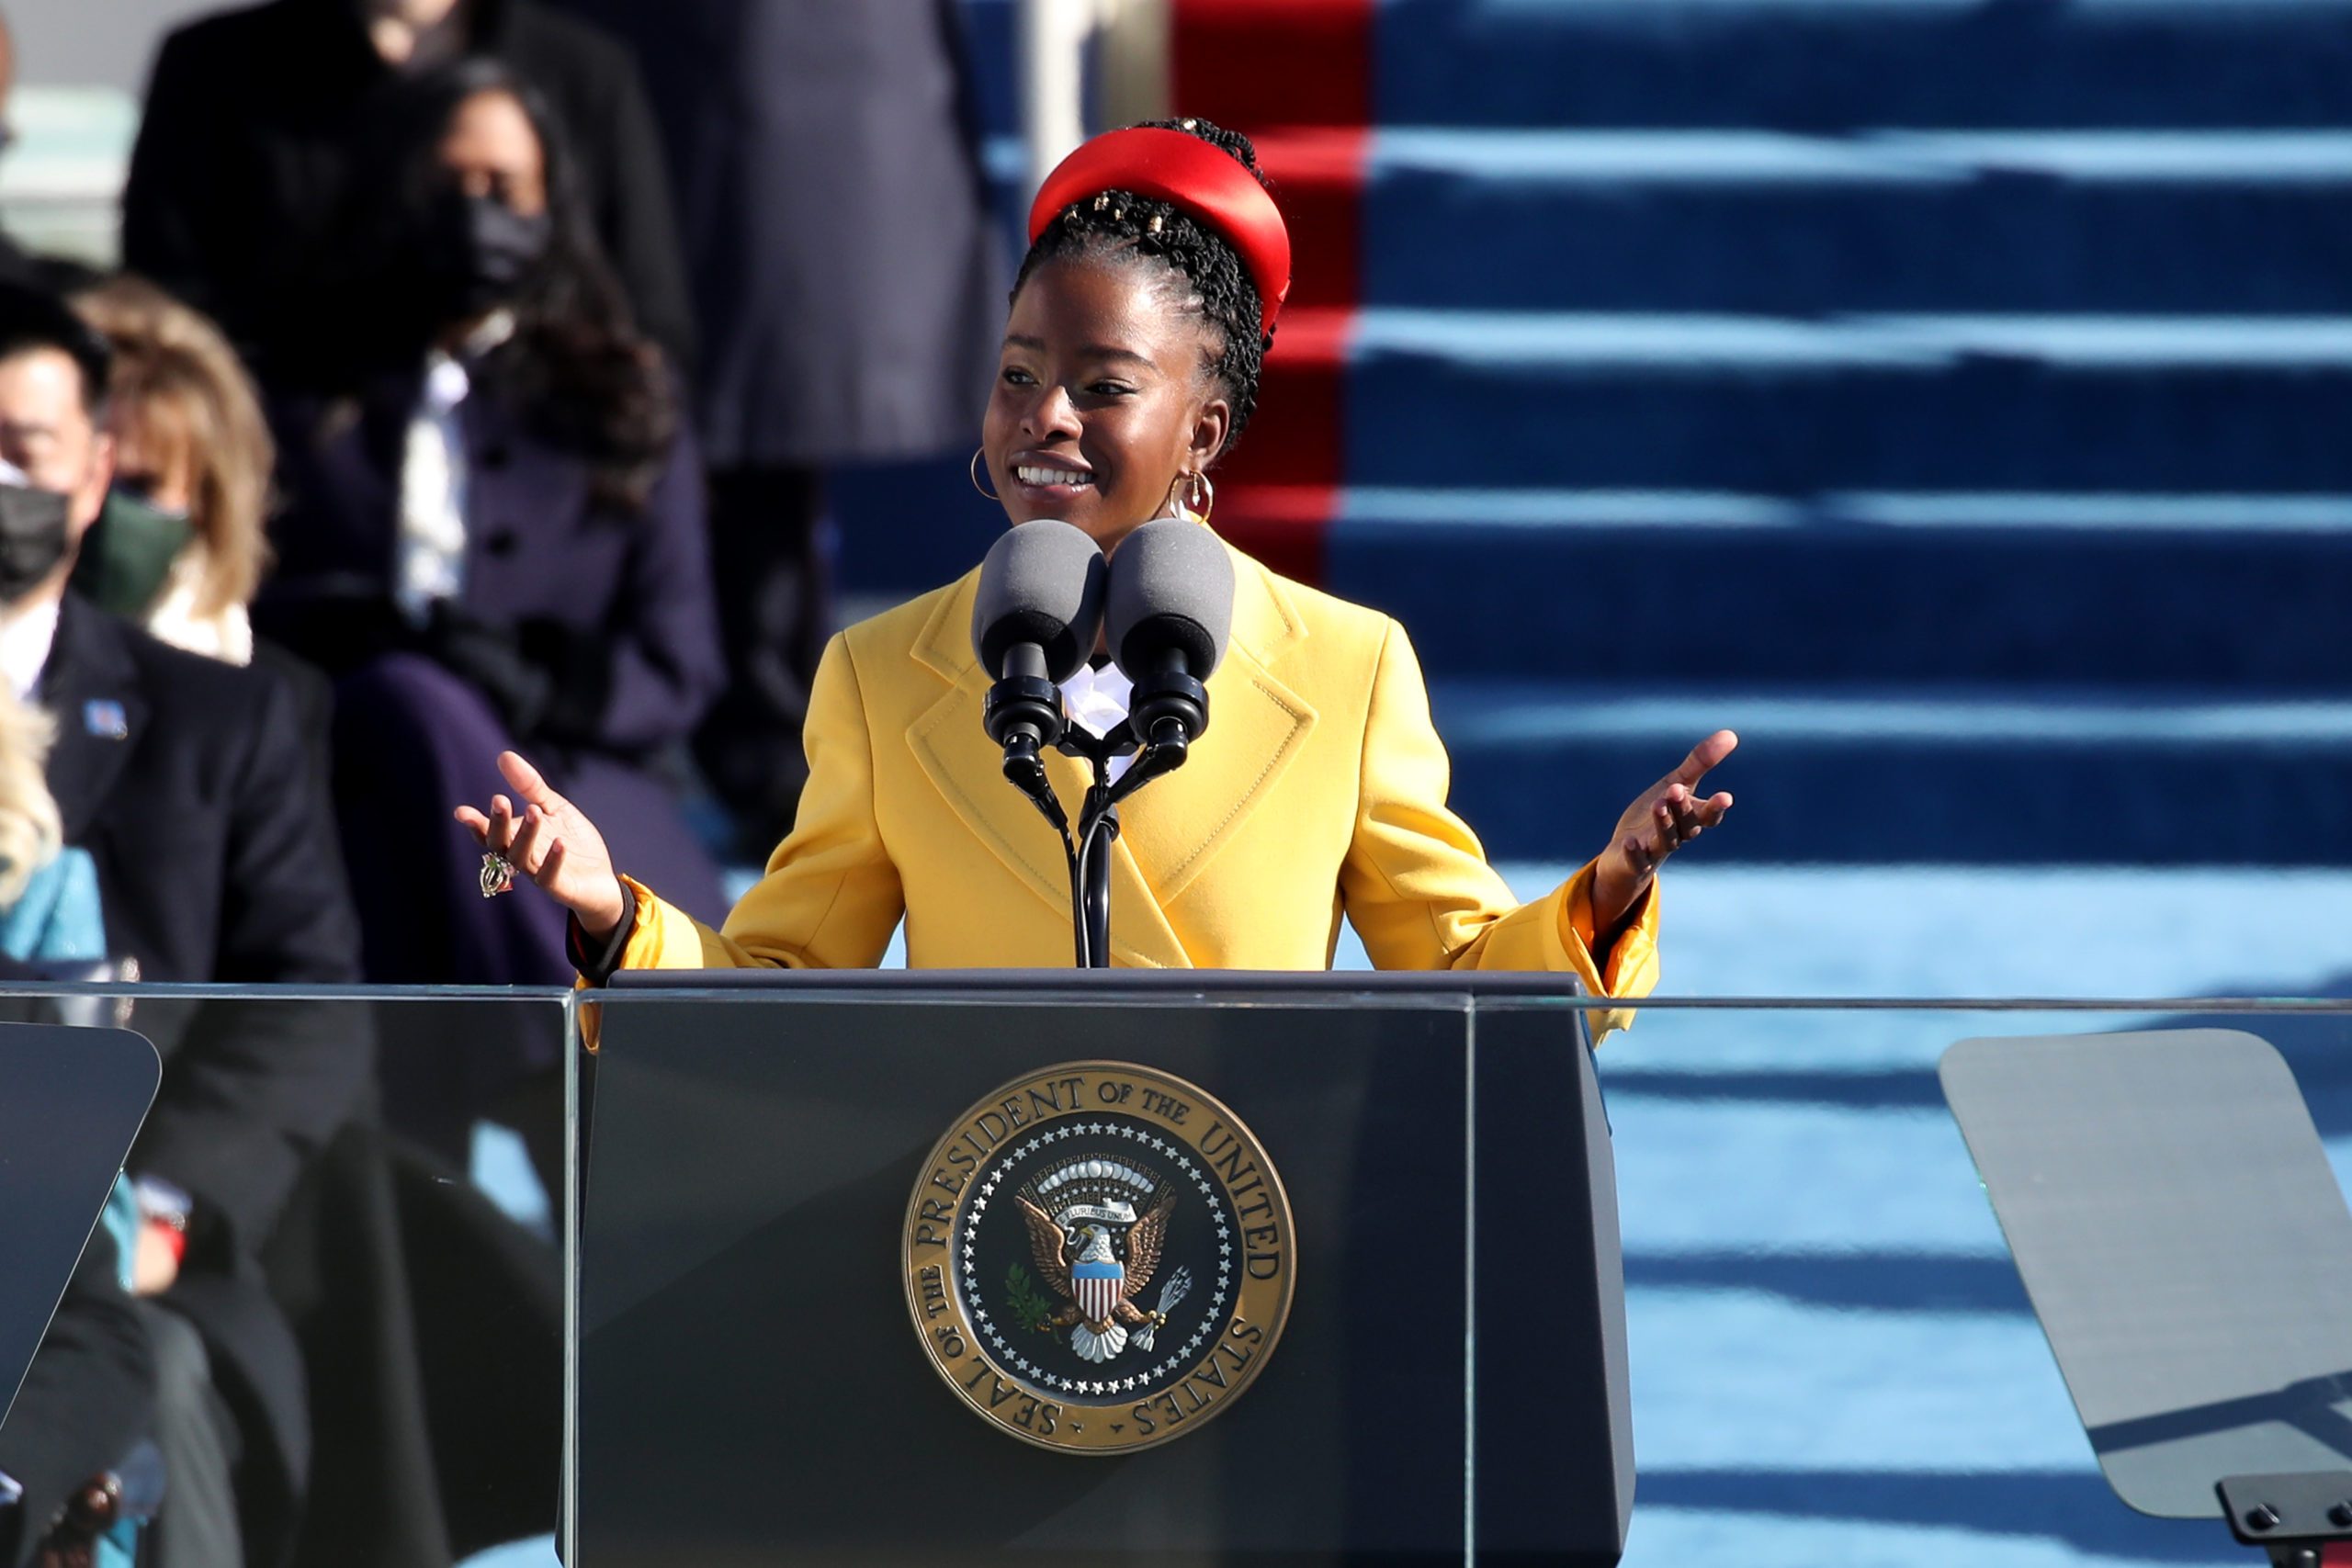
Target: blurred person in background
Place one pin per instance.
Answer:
(825, 158)
(87, 1402)
(385, 1249)
(48, 894)
(323, 1378)
(256, 120)
(496, 535)
(89, 1395)
(179, 547)
(186, 783)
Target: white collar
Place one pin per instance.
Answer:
(25, 635)
(1099, 699)
(447, 382)
(1098, 702)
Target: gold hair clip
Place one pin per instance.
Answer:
(1155, 220)
(1102, 201)
(1118, 215)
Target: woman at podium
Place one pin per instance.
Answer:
(1130, 365)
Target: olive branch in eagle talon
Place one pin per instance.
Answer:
(1050, 1248)
(1030, 1306)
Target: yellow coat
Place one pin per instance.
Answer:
(1318, 790)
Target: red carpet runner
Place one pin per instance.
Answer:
(1296, 75)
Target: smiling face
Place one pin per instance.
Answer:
(1103, 396)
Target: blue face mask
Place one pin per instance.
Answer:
(127, 556)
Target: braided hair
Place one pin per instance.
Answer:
(1120, 223)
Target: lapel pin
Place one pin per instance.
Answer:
(105, 719)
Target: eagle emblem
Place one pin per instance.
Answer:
(1095, 1251)
(1098, 1258)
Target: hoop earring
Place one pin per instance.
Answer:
(1203, 496)
(973, 467)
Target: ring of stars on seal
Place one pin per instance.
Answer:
(1098, 1258)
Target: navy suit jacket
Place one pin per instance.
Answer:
(191, 785)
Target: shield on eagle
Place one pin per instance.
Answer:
(1099, 1288)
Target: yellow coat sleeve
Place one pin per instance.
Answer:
(831, 897)
(1418, 888)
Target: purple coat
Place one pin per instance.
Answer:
(614, 611)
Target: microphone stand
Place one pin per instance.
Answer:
(1087, 851)
(1165, 744)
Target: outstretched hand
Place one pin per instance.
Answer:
(549, 841)
(1668, 815)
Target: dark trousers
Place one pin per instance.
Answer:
(201, 1444)
(770, 564)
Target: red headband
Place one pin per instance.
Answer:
(1203, 180)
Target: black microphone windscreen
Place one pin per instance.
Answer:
(1041, 583)
(1171, 586)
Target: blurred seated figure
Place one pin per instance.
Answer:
(187, 785)
(86, 1403)
(253, 132)
(179, 547)
(308, 1294)
(493, 538)
(850, 283)
(89, 1395)
(48, 894)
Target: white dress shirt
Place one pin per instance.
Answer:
(26, 635)
(1098, 702)
(429, 552)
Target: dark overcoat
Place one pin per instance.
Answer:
(834, 214)
(254, 130)
(191, 785)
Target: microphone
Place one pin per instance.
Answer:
(1168, 610)
(1034, 621)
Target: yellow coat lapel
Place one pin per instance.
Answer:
(1177, 826)
(965, 766)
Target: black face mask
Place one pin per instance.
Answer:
(32, 538)
(481, 251)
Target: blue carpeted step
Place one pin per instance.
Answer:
(989, 33)
(2124, 589)
(2014, 774)
(1748, 221)
(1787, 407)
(1807, 65)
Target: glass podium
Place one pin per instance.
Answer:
(1119, 1269)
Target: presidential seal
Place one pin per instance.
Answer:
(1098, 1258)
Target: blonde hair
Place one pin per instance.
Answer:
(30, 833)
(176, 378)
